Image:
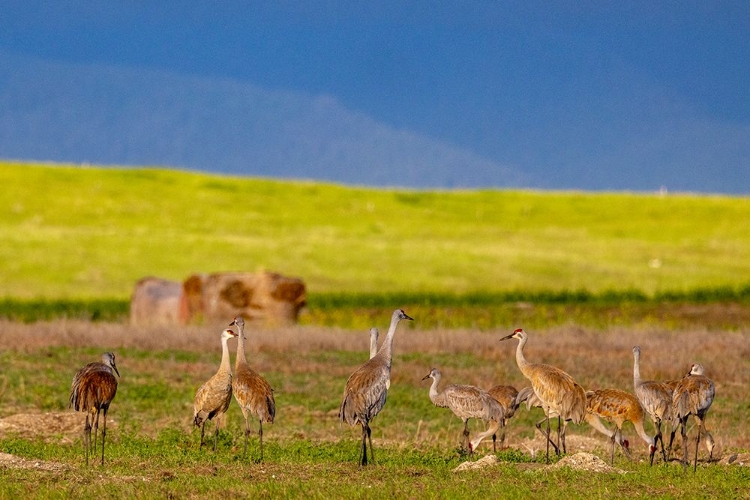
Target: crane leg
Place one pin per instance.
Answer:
(683, 432)
(465, 444)
(260, 438)
(203, 429)
(697, 443)
(87, 438)
(216, 434)
(671, 439)
(612, 455)
(561, 434)
(104, 433)
(96, 430)
(369, 440)
(363, 452)
(546, 435)
(247, 432)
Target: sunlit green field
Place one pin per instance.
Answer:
(86, 232)
(577, 270)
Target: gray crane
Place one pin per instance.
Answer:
(467, 402)
(693, 396)
(92, 391)
(213, 397)
(251, 391)
(506, 396)
(656, 400)
(559, 393)
(366, 388)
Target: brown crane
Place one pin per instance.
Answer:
(92, 391)
(366, 388)
(466, 402)
(213, 397)
(374, 333)
(506, 396)
(617, 407)
(693, 396)
(251, 391)
(656, 400)
(559, 393)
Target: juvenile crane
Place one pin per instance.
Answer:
(374, 333)
(656, 400)
(92, 391)
(693, 396)
(213, 397)
(251, 391)
(617, 407)
(506, 396)
(559, 393)
(366, 388)
(466, 402)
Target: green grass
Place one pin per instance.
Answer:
(79, 233)
(152, 449)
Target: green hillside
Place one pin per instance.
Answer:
(85, 232)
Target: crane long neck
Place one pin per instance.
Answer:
(636, 368)
(240, 358)
(224, 356)
(434, 394)
(642, 432)
(523, 364)
(386, 349)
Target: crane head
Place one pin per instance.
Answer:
(238, 322)
(434, 373)
(227, 334)
(696, 369)
(108, 358)
(400, 314)
(518, 333)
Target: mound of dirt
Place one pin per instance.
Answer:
(585, 461)
(63, 427)
(483, 462)
(741, 459)
(9, 461)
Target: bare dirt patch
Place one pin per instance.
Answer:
(13, 462)
(587, 462)
(62, 427)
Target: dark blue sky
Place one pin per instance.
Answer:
(524, 84)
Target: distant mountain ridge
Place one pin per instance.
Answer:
(107, 115)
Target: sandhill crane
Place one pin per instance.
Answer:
(617, 407)
(92, 391)
(373, 341)
(251, 391)
(557, 390)
(693, 396)
(366, 388)
(213, 397)
(656, 400)
(467, 401)
(506, 396)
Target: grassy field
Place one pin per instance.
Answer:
(82, 232)
(152, 448)
(587, 275)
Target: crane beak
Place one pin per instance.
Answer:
(508, 337)
(114, 367)
(426, 377)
